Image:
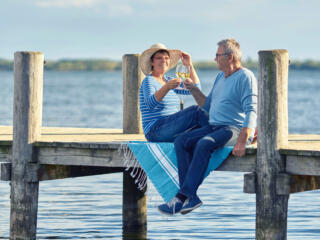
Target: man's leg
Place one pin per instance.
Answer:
(184, 146)
(202, 153)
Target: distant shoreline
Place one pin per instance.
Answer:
(110, 65)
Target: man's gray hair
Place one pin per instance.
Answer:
(231, 46)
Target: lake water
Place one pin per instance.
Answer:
(90, 207)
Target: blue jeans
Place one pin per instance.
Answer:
(169, 127)
(194, 150)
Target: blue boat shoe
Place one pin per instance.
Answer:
(190, 204)
(172, 207)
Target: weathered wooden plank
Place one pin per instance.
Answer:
(5, 151)
(306, 151)
(250, 182)
(80, 157)
(303, 165)
(271, 208)
(113, 158)
(5, 157)
(235, 164)
(283, 184)
(5, 171)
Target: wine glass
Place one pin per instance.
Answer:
(182, 72)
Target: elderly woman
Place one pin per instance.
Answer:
(159, 104)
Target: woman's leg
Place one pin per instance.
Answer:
(169, 127)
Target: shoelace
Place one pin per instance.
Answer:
(173, 203)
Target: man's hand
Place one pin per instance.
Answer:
(239, 150)
(188, 83)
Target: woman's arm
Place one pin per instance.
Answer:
(171, 84)
(186, 60)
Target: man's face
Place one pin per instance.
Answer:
(222, 58)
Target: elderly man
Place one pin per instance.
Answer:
(232, 107)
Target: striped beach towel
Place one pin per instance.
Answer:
(159, 162)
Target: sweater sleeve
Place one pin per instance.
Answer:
(148, 90)
(249, 102)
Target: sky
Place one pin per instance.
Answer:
(108, 29)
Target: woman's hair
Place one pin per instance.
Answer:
(159, 51)
(231, 46)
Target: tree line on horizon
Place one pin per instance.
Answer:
(110, 65)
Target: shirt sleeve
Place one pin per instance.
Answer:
(148, 91)
(249, 99)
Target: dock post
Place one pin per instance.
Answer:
(132, 78)
(271, 208)
(27, 117)
(134, 206)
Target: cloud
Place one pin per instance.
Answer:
(111, 8)
(67, 3)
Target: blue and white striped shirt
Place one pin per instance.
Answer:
(153, 110)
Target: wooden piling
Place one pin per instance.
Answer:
(271, 208)
(132, 78)
(134, 207)
(27, 115)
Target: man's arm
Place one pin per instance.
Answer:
(249, 105)
(239, 149)
(195, 92)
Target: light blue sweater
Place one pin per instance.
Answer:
(233, 100)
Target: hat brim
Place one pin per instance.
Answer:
(145, 58)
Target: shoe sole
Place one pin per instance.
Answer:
(167, 213)
(187, 210)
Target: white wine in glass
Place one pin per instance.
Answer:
(182, 72)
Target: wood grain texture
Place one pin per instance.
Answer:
(27, 115)
(271, 208)
(132, 78)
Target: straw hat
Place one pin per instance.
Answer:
(145, 57)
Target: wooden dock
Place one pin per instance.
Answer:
(99, 148)
(279, 165)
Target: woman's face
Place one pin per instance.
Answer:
(160, 62)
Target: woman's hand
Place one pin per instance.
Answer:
(186, 59)
(173, 83)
